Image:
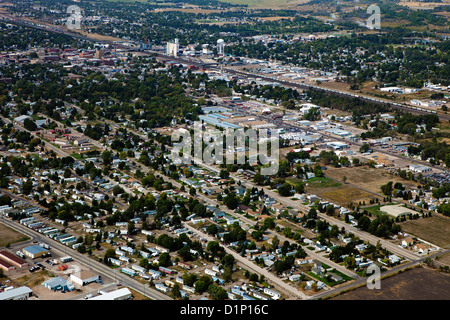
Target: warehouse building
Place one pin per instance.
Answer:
(21, 293)
(16, 261)
(59, 283)
(336, 145)
(121, 294)
(84, 277)
(34, 252)
(5, 265)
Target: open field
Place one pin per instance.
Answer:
(192, 10)
(422, 5)
(8, 235)
(414, 284)
(370, 179)
(268, 4)
(445, 259)
(323, 183)
(335, 191)
(345, 195)
(434, 229)
(275, 18)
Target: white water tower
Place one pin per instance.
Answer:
(220, 47)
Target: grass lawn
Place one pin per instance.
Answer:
(323, 279)
(323, 182)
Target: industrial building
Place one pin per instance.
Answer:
(419, 169)
(336, 145)
(21, 293)
(172, 48)
(35, 251)
(214, 121)
(59, 283)
(16, 261)
(5, 265)
(83, 277)
(121, 294)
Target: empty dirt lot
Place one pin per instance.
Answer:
(434, 229)
(338, 192)
(370, 179)
(8, 235)
(415, 284)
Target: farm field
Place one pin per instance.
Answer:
(434, 229)
(8, 235)
(414, 284)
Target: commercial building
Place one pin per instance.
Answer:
(35, 251)
(5, 265)
(9, 257)
(59, 283)
(83, 277)
(336, 145)
(120, 294)
(418, 168)
(21, 293)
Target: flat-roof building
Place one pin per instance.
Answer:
(121, 294)
(21, 293)
(83, 277)
(35, 251)
(11, 258)
(5, 265)
(59, 283)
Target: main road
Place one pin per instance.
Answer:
(58, 29)
(86, 261)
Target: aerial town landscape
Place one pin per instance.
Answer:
(100, 200)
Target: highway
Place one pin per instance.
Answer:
(153, 294)
(302, 86)
(244, 74)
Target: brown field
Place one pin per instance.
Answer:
(445, 259)
(414, 284)
(423, 5)
(33, 279)
(8, 235)
(268, 4)
(216, 23)
(444, 14)
(370, 179)
(345, 194)
(191, 10)
(275, 18)
(434, 229)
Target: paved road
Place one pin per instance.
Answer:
(295, 204)
(363, 281)
(252, 266)
(88, 262)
